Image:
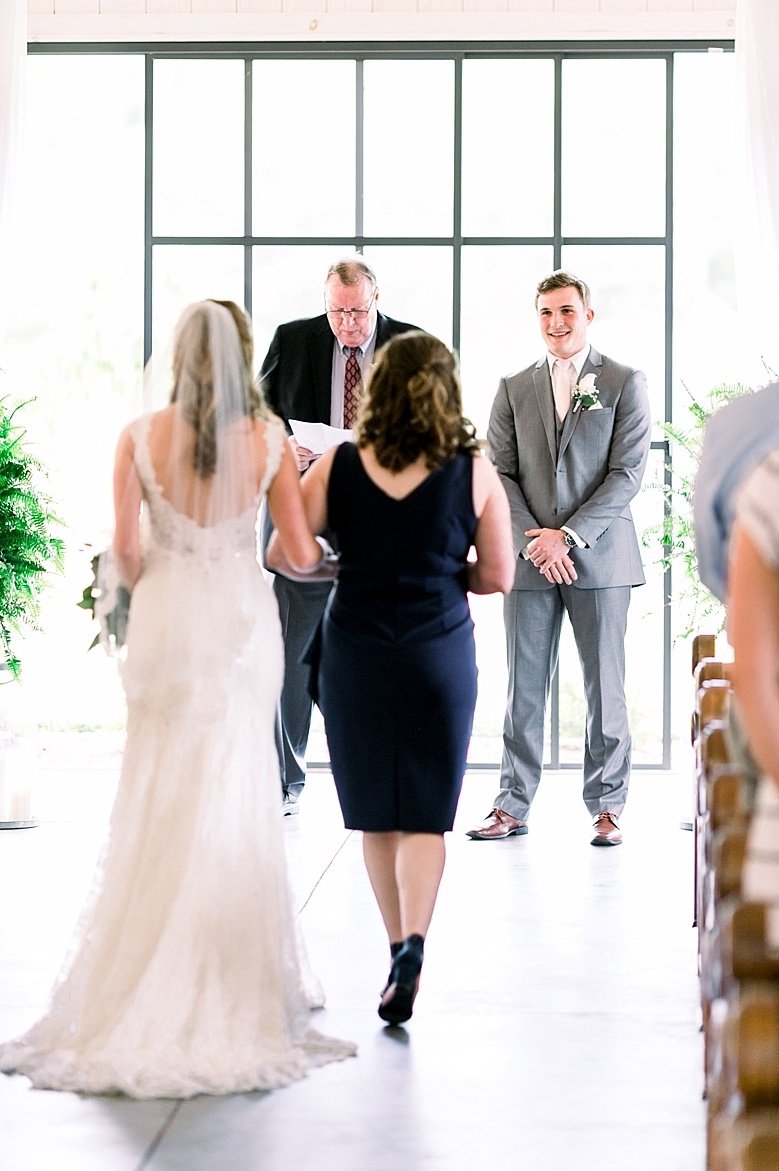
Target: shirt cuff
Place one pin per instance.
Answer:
(580, 544)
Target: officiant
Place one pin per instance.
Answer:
(313, 373)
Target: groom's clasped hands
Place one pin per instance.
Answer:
(550, 553)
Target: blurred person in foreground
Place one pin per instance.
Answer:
(752, 606)
(393, 667)
(186, 974)
(738, 436)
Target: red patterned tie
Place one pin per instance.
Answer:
(352, 387)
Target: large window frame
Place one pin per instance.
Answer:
(456, 243)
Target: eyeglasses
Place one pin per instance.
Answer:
(355, 314)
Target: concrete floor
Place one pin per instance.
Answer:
(556, 1028)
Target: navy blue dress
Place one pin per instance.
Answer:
(396, 672)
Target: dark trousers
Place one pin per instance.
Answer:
(301, 607)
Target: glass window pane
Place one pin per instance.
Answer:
(627, 284)
(409, 129)
(508, 119)
(644, 642)
(613, 175)
(303, 184)
(415, 284)
(74, 344)
(486, 743)
(288, 282)
(186, 273)
(499, 332)
(198, 148)
(707, 337)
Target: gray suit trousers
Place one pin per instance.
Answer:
(533, 620)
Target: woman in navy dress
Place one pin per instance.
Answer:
(394, 671)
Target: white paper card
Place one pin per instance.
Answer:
(319, 437)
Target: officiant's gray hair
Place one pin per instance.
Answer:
(351, 270)
(560, 279)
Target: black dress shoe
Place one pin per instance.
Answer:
(289, 804)
(397, 1003)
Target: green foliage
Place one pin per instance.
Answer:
(29, 550)
(115, 622)
(673, 539)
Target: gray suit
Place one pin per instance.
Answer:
(582, 474)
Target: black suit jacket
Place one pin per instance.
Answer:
(296, 376)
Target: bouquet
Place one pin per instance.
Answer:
(108, 601)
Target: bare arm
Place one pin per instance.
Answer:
(493, 570)
(753, 630)
(127, 512)
(293, 533)
(314, 485)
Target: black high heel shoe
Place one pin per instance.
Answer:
(394, 949)
(397, 1002)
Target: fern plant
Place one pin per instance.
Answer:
(29, 548)
(673, 538)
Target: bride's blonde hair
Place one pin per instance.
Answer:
(212, 374)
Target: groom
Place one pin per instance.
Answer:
(570, 437)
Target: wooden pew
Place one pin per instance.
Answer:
(743, 1123)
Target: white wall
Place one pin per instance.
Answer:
(365, 20)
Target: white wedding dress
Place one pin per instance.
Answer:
(186, 974)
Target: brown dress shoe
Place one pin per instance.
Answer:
(497, 825)
(607, 832)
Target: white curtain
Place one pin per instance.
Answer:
(13, 61)
(757, 53)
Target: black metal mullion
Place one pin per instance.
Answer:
(248, 180)
(669, 309)
(457, 204)
(148, 258)
(557, 231)
(557, 211)
(359, 154)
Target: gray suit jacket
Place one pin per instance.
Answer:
(589, 483)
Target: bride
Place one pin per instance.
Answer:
(186, 973)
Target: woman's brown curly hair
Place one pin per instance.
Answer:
(413, 404)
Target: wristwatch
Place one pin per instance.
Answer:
(569, 539)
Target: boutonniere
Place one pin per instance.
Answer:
(585, 394)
